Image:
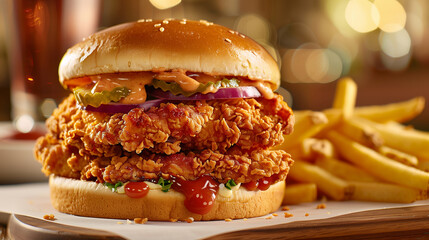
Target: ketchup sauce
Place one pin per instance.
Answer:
(200, 194)
(261, 184)
(136, 189)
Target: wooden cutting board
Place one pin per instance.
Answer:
(393, 223)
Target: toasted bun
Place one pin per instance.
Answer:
(92, 199)
(196, 46)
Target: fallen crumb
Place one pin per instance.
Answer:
(244, 219)
(140, 220)
(228, 220)
(173, 220)
(50, 217)
(288, 215)
(119, 223)
(190, 220)
(328, 212)
(129, 222)
(275, 214)
(285, 208)
(307, 214)
(269, 217)
(321, 206)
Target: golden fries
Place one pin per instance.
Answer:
(360, 153)
(332, 186)
(399, 112)
(384, 192)
(300, 193)
(379, 165)
(345, 96)
(344, 170)
(360, 132)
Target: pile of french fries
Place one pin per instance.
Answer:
(358, 153)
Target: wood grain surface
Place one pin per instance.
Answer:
(394, 223)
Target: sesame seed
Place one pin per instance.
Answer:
(228, 40)
(141, 20)
(182, 22)
(231, 31)
(148, 20)
(241, 35)
(157, 25)
(161, 29)
(165, 21)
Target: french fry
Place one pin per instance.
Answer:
(345, 96)
(407, 140)
(308, 125)
(379, 165)
(399, 112)
(330, 185)
(384, 192)
(399, 156)
(300, 193)
(360, 132)
(344, 170)
(313, 148)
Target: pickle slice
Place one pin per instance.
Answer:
(85, 97)
(175, 88)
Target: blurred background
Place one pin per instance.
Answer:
(381, 44)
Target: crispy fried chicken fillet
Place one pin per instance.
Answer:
(224, 138)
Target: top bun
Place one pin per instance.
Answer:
(146, 45)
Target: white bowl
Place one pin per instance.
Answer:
(17, 162)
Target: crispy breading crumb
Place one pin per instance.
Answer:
(140, 220)
(190, 220)
(275, 214)
(119, 223)
(306, 214)
(50, 217)
(285, 208)
(244, 219)
(173, 220)
(288, 215)
(321, 206)
(269, 217)
(228, 220)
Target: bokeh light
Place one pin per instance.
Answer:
(362, 15)
(24, 123)
(392, 16)
(395, 44)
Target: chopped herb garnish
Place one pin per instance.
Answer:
(114, 187)
(230, 184)
(165, 184)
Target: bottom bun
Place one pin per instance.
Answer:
(85, 198)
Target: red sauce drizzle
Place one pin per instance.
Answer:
(200, 193)
(136, 189)
(261, 184)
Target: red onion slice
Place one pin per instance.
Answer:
(122, 108)
(222, 93)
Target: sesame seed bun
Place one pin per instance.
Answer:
(92, 199)
(195, 46)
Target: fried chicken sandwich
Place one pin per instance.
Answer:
(168, 119)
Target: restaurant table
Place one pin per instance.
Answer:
(23, 206)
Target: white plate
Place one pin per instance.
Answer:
(17, 162)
